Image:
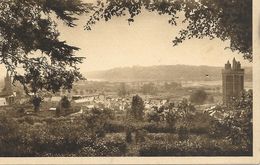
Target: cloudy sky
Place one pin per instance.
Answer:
(147, 41)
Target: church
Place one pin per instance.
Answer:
(7, 94)
(232, 81)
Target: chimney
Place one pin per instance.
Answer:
(234, 67)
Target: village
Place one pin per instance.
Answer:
(89, 94)
(116, 96)
(175, 111)
(138, 78)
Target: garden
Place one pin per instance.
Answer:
(98, 132)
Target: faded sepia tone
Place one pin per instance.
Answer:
(142, 97)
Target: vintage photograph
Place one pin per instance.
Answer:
(126, 78)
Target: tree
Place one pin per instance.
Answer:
(223, 19)
(185, 111)
(171, 86)
(96, 120)
(30, 41)
(28, 26)
(198, 96)
(36, 101)
(172, 117)
(153, 115)
(240, 118)
(237, 125)
(65, 103)
(134, 117)
(137, 108)
(122, 90)
(210, 99)
(148, 89)
(63, 107)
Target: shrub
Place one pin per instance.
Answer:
(61, 137)
(128, 136)
(105, 147)
(7, 125)
(199, 146)
(29, 119)
(114, 127)
(199, 130)
(137, 108)
(183, 133)
(140, 135)
(198, 96)
(218, 130)
(158, 128)
(21, 110)
(153, 116)
(95, 121)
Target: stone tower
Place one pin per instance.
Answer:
(232, 81)
(7, 90)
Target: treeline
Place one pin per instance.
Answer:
(164, 73)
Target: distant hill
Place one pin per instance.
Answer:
(163, 73)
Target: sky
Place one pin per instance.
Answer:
(147, 41)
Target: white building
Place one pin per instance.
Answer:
(3, 101)
(55, 99)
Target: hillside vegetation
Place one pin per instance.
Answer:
(164, 73)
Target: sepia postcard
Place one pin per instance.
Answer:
(129, 82)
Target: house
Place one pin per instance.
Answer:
(3, 101)
(47, 99)
(55, 99)
(52, 109)
(84, 100)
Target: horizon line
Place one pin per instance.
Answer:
(145, 66)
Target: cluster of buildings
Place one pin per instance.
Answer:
(232, 86)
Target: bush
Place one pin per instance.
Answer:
(199, 146)
(114, 127)
(183, 133)
(158, 128)
(29, 120)
(21, 110)
(60, 137)
(105, 147)
(199, 130)
(128, 136)
(198, 96)
(7, 125)
(140, 135)
(153, 116)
